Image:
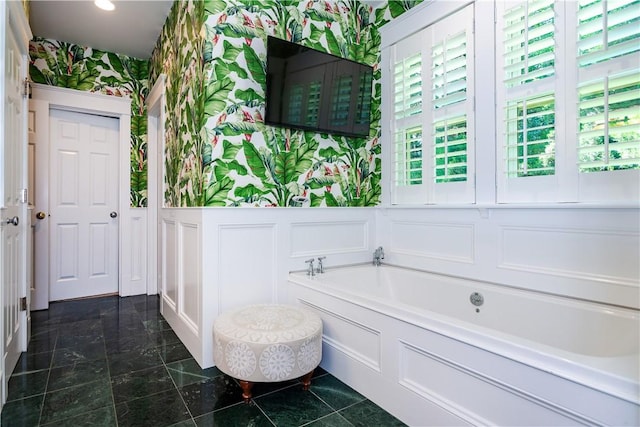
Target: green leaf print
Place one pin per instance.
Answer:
(230, 52)
(255, 65)
(216, 95)
(332, 42)
(217, 192)
(248, 95)
(254, 160)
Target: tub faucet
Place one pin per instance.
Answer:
(310, 270)
(378, 256)
(320, 269)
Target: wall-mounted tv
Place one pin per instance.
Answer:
(313, 90)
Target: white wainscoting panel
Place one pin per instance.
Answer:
(580, 253)
(247, 265)
(134, 259)
(450, 242)
(190, 285)
(169, 261)
(586, 252)
(311, 238)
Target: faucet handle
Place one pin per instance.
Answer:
(310, 271)
(320, 266)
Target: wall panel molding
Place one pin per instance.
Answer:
(601, 255)
(437, 240)
(313, 238)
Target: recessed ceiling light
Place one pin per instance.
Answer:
(104, 4)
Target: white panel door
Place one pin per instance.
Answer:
(83, 201)
(13, 208)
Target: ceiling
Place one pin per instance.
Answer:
(131, 29)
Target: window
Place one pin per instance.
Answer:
(432, 113)
(568, 92)
(558, 94)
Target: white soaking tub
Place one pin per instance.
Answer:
(416, 344)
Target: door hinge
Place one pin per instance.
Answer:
(23, 304)
(26, 93)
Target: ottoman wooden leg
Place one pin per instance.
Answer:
(246, 390)
(306, 380)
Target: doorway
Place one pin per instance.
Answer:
(81, 178)
(83, 205)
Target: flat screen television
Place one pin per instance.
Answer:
(316, 91)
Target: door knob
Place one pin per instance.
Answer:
(41, 215)
(15, 220)
(113, 214)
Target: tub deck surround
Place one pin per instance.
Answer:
(417, 336)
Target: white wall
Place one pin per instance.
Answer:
(587, 253)
(215, 259)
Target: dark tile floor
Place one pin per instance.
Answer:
(114, 361)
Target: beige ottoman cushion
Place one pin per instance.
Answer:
(267, 342)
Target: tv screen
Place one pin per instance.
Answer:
(312, 90)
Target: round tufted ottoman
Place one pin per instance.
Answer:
(267, 343)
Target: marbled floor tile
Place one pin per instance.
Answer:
(173, 352)
(142, 383)
(115, 330)
(367, 413)
(164, 337)
(238, 415)
(71, 401)
(292, 407)
(78, 373)
(188, 371)
(43, 342)
(26, 384)
(333, 420)
(101, 417)
(78, 353)
(185, 423)
(156, 325)
(22, 412)
(260, 389)
(33, 362)
(130, 342)
(122, 363)
(334, 392)
(162, 409)
(207, 396)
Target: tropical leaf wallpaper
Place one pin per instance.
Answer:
(72, 66)
(218, 151)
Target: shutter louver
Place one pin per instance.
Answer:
(608, 45)
(609, 124)
(530, 128)
(450, 143)
(407, 89)
(529, 42)
(408, 148)
(407, 92)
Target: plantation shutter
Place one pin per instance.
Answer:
(452, 105)
(528, 121)
(608, 45)
(407, 91)
(432, 113)
(528, 68)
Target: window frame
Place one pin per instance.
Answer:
(492, 186)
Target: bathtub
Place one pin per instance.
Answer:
(440, 350)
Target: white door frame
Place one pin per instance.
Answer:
(110, 106)
(155, 147)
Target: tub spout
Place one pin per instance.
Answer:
(378, 256)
